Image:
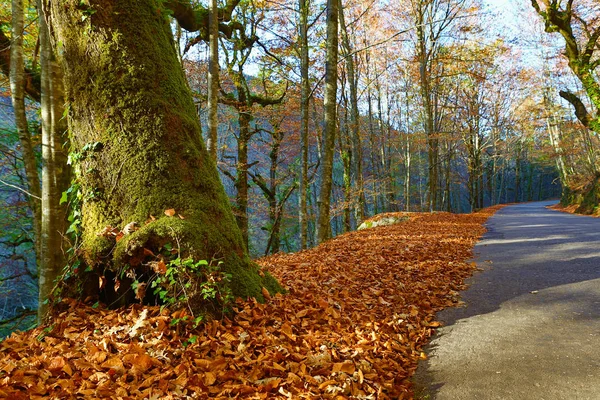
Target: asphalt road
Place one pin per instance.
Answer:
(531, 325)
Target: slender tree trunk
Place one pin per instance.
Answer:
(213, 79)
(304, 120)
(133, 120)
(518, 176)
(55, 173)
(373, 150)
(324, 226)
(407, 164)
(17, 88)
(354, 119)
(382, 167)
(407, 155)
(241, 180)
(346, 156)
(448, 177)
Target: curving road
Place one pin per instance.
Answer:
(531, 327)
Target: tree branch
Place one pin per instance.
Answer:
(580, 110)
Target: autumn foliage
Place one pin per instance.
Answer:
(360, 308)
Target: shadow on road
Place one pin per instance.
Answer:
(538, 265)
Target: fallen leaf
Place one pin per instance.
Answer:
(266, 293)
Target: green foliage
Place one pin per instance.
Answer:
(185, 282)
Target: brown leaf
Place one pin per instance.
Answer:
(266, 293)
(140, 291)
(56, 364)
(346, 367)
(209, 378)
(159, 267)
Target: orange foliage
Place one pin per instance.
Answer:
(359, 309)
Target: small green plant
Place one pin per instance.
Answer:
(188, 283)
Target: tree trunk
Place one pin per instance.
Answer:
(17, 87)
(354, 119)
(518, 175)
(213, 79)
(55, 172)
(304, 109)
(134, 124)
(241, 179)
(432, 141)
(346, 156)
(324, 226)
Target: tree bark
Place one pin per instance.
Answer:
(354, 119)
(304, 120)
(323, 225)
(241, 180)
(213, 79)
(17, 86)
(131, 105)
(55, 171)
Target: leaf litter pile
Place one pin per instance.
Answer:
(360, 308)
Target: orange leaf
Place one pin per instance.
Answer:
(346, 367)
(266, 293)
(170, 212)
(209, 378)
(323, 304)
(57, 364)
(159, 267)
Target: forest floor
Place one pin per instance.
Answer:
(359, 310)
(572, 209)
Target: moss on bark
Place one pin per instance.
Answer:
(127, 93)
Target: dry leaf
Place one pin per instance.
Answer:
(159, 267)
(170, 212)
(140, 291)
(266, 294)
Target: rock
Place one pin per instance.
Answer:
(381, 222)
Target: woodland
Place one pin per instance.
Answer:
(190, 191)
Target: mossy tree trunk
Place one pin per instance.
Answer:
(134, 125)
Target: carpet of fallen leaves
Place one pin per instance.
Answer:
(571, 209)
(359, 309)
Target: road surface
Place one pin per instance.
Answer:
(531, 325)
